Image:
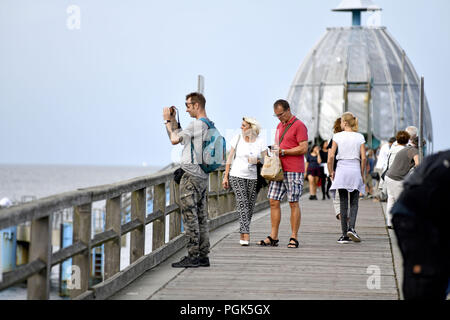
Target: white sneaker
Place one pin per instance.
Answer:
(244, 242)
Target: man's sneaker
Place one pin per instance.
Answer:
(351, 233)
(186, 262)
(344, 239)
(203, 261)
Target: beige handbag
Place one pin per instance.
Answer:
(272, 169)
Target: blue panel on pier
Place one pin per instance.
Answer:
(67, 234)
(8, 248)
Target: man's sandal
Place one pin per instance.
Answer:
(291, 245)
(273, 243)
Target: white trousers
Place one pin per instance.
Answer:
(394, 189)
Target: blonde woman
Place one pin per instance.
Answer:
(348, 177)
(247, 149)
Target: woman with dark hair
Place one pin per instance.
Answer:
(312, 169)
(336, 201)
(326, 181)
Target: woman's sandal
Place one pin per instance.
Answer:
(291, 245)
(273, 243)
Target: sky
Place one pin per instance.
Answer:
(84, 81)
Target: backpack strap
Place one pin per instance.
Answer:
(210, 125)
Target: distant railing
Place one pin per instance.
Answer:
(221, 206)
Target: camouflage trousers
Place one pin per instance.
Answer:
(194, 210)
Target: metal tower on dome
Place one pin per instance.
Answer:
(361, 69)
(356, 7)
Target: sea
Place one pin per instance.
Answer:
(22, 183)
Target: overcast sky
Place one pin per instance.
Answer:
(94, 94)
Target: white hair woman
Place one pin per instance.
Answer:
(247, 149)
(348, 177)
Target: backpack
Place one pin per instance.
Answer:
(213, 149)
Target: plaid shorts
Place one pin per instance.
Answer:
(292, 184)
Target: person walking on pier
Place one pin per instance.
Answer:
(368, 179)
(336, 201)
(348, 177)
(402, 138)
(313, 172)
(380, 166)
(405, 160)
(291, 144)
(412, 134)
(194, 181)
(326, 181)
(247, 149)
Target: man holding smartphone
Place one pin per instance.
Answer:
(194, 181)
(291, 143)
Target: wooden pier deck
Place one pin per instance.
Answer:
(319, 269)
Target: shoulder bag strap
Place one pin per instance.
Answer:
(285, 130)
(235, 148)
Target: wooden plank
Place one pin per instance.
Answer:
(38, 286)
(156, 215)
(319, 269)
(112, 248)
(133, 271)
(173, 207)
(159, 225)
(22, 273)
(131, 225)
(137, 238)
(40, 208)
(68, 252)
(104, 237)
(82, 233)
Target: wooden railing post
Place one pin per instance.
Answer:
(159, 225)
(112, 248)
(137, 237)
(38, 287)
(175, 217)
(81, 232)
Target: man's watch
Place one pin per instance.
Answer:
(282, 152)
(166, 121)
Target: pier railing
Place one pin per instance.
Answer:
(221, 208)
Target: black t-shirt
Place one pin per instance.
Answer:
(324, 156)
(330, 144)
